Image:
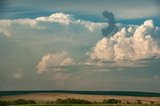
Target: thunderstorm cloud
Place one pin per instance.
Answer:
(68, 52)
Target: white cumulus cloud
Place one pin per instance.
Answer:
(55, 23)
(129, 43)
(54, 61)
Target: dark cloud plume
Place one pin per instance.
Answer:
(111, 28)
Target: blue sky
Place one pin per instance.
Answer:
(124, 9)
(58, 45)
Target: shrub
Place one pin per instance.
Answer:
(127, 102)
(95, 102)
(72, 101)
(151, 102)
(5, 103)
(112, 101)
(31, 102)
(22, 101)
(139, 102)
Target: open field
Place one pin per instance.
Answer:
(49, 97)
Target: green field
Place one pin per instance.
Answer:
(90, 105)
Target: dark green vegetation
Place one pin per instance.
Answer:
(17, 102)
(111, 101)
(73, 102)
(117, 93)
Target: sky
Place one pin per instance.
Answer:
(58, 45)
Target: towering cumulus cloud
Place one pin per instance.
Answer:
(129, 43)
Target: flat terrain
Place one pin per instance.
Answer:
(45, 97)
